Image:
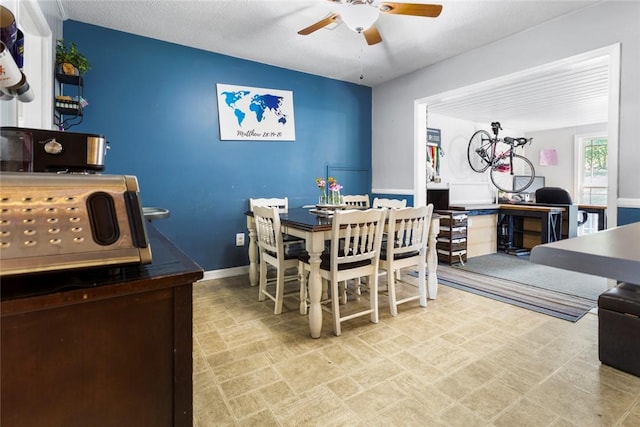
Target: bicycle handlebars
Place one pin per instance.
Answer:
(516, 142)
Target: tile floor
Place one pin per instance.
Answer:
(465, 360)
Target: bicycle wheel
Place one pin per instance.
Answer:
(479, 151)
(503, 174)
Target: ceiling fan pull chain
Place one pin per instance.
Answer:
(361, 68)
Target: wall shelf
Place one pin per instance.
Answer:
(67, 110)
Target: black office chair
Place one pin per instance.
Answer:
(558, 196)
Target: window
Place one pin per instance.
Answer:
(592, 175)
(592, 171)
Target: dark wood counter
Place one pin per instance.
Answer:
(100, 347)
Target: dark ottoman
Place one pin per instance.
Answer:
(619, 328)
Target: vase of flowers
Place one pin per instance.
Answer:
(321, 183)
(334, 191)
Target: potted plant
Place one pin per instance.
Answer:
(70, 60)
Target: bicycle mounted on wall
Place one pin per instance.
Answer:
(483, 153)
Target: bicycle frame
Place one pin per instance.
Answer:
(503, 167)
(490, 157)
(484, 154)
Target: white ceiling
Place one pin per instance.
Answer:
(571, 92)
(266, 31)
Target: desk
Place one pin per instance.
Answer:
(315, 230)
(601, 211)
(611, 253)
(100, 347)
(550, 220)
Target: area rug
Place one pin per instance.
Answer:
(552, 303)
(520, 269)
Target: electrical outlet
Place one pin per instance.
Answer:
(240, 239)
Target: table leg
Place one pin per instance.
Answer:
(315, 245)
(432, 259)
(253, 252)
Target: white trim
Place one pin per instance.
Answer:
(398, 191)
(62, 10)
(626, 203)
(38, 57)
(420, 111)
(613, 144)
(226, 272)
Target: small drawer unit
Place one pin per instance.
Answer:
(452, 239)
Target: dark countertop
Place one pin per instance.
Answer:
(169, 267)
(477, 209)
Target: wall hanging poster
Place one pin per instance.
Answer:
(255, 114)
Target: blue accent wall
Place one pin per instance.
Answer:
(156, 104)
(628, 215)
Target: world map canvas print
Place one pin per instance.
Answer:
(255, 114)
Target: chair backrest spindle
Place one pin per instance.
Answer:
(389, 203)
(357, 200)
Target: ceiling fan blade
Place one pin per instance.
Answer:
(320, 24)
(414, 9)
(372, 35)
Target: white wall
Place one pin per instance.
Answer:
(602, 25)
(40, 22)
(563, 141)
(465, 185)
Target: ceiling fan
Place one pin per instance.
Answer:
(361, 15)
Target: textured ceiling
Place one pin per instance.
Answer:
(266, 31)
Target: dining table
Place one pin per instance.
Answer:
(314, 226)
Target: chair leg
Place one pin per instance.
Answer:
(279, 294)
(262, 287)
(335, 308)
(391, 289)
(373, 295)
(342, 289)
(422, 284)
(358, 285)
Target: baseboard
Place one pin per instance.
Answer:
(394, 191)
(226, 272)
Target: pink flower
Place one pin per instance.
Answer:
(335, 186)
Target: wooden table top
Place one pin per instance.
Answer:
(532, 208)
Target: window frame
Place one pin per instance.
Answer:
(579, 162)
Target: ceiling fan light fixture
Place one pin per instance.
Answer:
(359, 16)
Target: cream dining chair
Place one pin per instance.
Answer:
(406, 246)
(356, 237)
(272, 252)
(389, 203)
(357, 201)
(282, 204)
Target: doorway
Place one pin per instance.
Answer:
(478, 104)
